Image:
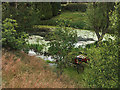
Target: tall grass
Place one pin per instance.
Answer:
(25, 71)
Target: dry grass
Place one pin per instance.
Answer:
(17, 73)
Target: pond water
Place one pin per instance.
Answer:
(84, 37)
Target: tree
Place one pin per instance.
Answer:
(63, 39)
(56, 6)
(22, 12)
(27, 14)
(104, 64)
(98, 15)
(44, 10)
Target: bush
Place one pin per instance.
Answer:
(76, 7)
(63, 39)
(10, 37)
(103, 66)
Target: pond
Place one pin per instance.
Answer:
(84, 37)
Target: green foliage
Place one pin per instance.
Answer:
(103, 66)
(22, 13)
(76, 7)
(48, 61)
(63, 40)
(102, 69)
(73, 53)
(36, 47)
(98, 16)
(99, 13)
(115, 18)
(91, 45)
(10, 37)
(27, 14)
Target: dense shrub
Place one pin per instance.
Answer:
(76, 7)
(10, 37)
(103, 66)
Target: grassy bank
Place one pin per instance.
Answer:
(75, 19)
(23, 71)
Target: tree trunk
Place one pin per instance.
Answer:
(104, 29)
(100, 37)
